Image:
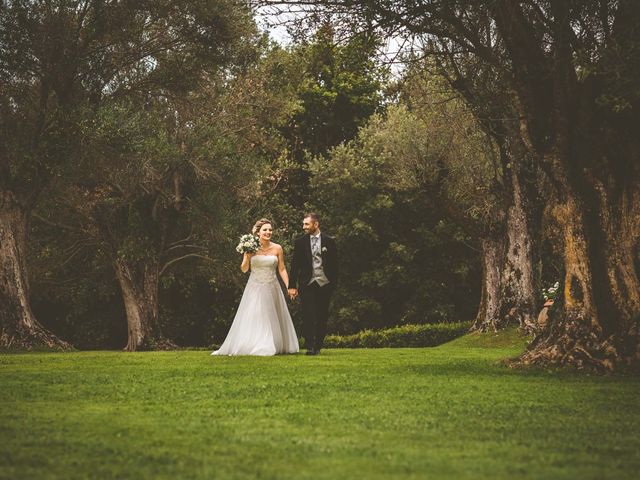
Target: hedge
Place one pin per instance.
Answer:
(428, 335)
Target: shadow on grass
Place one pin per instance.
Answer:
(479, 368)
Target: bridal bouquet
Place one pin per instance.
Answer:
(248, 243)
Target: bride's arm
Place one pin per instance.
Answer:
(282, 268)
(246, 262)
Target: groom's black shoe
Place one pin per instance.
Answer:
(311, 351)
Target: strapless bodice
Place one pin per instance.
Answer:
(263, 268)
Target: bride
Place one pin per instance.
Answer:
(262, 325)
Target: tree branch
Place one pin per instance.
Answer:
(189, 255)
(58, 225)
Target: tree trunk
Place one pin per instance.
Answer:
(139, 285)
(520, 277)
(593, 162)
(598, 323)
(621, 234)
(511, 256)
(492, 261)
(19, 328)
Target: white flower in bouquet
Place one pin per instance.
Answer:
(248, 243)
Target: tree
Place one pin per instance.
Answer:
(201, 182)
(514, 242)
(158, 182)
(58, 59)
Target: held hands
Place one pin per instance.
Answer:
(293, 293)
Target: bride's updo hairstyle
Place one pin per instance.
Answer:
(258, 225)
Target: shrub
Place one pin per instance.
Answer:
(429, 335)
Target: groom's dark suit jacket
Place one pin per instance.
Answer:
(302, 263)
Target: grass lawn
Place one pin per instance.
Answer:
(448, 412)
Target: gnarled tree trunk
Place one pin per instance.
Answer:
(598, 323)
(520, 278)
(620, 226)
(492, 261)
(19, 328)
(511, 258)
(139, 285)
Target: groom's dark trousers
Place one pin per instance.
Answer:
(315, 312)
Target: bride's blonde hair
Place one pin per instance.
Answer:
(258, 225)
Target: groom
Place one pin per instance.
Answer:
(314, 272)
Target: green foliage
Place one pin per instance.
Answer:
(403, 260)
(429, 335)
(450, 412)
(435, 142)
(75, 293)
(198, 303)
(338, 86)
(340, 90)
(58, 57)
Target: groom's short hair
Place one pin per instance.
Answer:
(313, 216)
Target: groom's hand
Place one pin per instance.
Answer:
(293, 293)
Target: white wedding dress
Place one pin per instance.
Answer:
(262, 325)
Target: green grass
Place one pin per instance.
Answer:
(448, 412)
